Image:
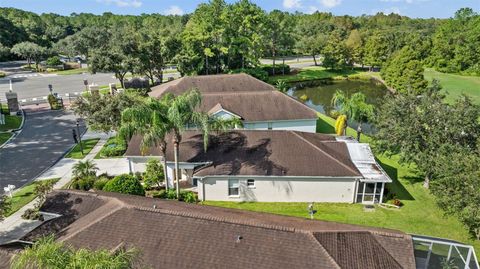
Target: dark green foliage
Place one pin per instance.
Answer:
(83, 184)
(126, 184)
(279, 69)
(114, 147)
(423, 128)
(49, 253)
(458, 187)
(162, 194)
(100, 183)
(254, 72)
(54, 61)
(171, 194)
(404, 71)
(153, 175)
(188, 197)
(5, 206)
(103, 113)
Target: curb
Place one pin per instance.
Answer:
(15, 132)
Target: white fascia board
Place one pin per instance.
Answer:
(267, 121)
(287, 177)
(226, 111)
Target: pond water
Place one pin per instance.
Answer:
(318, 94)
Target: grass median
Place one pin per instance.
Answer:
(88, 145)
(24, 195)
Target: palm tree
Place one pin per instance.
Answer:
(46, 253)
(182, 114)
(149, 120)
(354, 107)
(156, 118)
(84, 169)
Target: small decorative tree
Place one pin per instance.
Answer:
(5, 206)
(154, 174)
(42, 188)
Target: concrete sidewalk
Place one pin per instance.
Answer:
(15, 227)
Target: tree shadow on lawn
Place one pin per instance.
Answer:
(396, 186)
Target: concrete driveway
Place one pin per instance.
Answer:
(44, 139)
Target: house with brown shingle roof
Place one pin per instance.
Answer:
(273, 166)
(258, 104)
(171, 234)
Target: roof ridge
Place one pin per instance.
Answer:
(110, 200)
(326, 153)
(219, 219)
(388, 252)
(322, 248)
(240, 92)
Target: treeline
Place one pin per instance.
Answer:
(219, 37)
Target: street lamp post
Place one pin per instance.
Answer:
(79, 137)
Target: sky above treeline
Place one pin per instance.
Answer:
(411, 8)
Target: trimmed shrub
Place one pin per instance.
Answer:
(126, 184)
(100, 183)
(114, 148)
(171, 194)
(83, 184)
(54, 61)
(188, 197)
(279, 69)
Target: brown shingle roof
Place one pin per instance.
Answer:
(261, 153)
(244, 95)
(179, 235)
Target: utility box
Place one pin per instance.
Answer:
(12, 100)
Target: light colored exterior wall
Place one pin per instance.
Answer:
(278, 189)
(309, 125)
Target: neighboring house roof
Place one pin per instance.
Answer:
(241, 94)
(363, 158)
(260, 153)
(179, 235)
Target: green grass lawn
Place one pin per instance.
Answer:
(72, 71)
(319, 72)
(4, 137)
(419, 215)
(24, 196)
(88, 145)
(11, 122)
(455, 85)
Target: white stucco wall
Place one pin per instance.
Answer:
(293, 125)
(280, 190)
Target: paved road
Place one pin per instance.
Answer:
(29, 85)
(44, 139)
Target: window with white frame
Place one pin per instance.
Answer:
(233, 187)
(251, 183)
